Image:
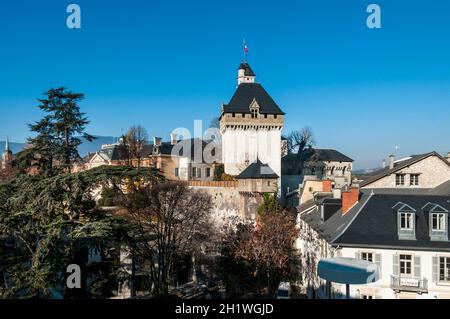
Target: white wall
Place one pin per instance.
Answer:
(433, 172)
(239, 146)
(382, 289)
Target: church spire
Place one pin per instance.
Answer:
(7, 144)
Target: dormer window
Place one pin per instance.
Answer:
(406, 221)
(437, 220)
(438, 223)
(254, 114)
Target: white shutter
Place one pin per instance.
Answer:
(358, 255)
(435, 270)
(395, 264)
(417, 273)
(378, 262)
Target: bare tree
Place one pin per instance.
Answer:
(172, 220)
(215, 123)
(269, 248)
(298, 141)
(135, 141)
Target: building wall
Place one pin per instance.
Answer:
(290, 183)
(186, 171)
(309, 188)
(241, 147)
(259, 185)
(313, 248)
(433, 172)
(229, 201)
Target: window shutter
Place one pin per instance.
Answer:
(435, 269)
(417, 267)
(395, 264)
(378, 262)
(358, 255)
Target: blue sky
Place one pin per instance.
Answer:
(164, 64)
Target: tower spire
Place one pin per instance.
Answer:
(7, 144)
(245, 51)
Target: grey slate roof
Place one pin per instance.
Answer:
(398, 166)
(244, 96)
(258, 170)
(118, 152)
(319, 156)
(376, 224)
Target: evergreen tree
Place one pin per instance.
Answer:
(60, 132)
(48, 223)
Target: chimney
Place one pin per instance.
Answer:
(349, 199)
(391, 161)
(448, 156)
(326, 186)
(157, 141)
(173, 139)
(383, 163)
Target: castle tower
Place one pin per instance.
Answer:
(7, 156)
(251, 125)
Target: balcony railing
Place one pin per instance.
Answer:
(411, 284)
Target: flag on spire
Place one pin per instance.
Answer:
(245, 51)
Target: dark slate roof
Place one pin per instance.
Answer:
(244, 96)
(376, 224)
(248, 70)
(118, 152)
(336, 224)
(443, 189)
(372, 222)
(257, 170)
(399, 166)
(319, 156)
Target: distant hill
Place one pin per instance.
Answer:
(84, 149)
(15, 147)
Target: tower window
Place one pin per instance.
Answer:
(234, 114)
(265, 116)
(243, 114)
(275, 116)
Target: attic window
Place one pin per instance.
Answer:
(254, 113)
(400, 179)
(406, 221)
(438, 221)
